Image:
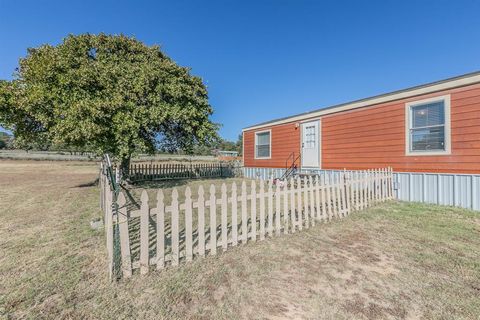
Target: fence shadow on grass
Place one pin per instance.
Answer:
(134, 237)
(185, 220)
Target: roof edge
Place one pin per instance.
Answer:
(449, 83)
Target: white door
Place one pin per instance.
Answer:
(311, 144)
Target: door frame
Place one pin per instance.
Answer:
(301, 123)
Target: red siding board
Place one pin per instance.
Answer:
(285, 140)
(375, 137)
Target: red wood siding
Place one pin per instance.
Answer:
(285, 139)
(373, 137)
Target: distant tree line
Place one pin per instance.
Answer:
(221, 144)
(8, 141)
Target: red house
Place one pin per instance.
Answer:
(433, 127)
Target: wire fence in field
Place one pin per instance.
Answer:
(189, 226)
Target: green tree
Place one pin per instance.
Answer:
(240, 144)
(227, 145)
(106, 93)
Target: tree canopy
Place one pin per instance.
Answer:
(109, 94)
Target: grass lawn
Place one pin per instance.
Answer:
(396, 260)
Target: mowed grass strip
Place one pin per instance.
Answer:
(396, 260)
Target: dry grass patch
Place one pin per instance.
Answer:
(394, 261)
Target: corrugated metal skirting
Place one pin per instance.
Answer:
(460, 190)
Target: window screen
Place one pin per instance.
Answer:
(427, 127)
(263, 145)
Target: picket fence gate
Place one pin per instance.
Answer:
(169, 233)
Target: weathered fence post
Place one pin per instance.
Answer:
(224, 209)
(234, 215)
(160, 230)
(306, 211)
(124, 236)
(175, 230)
(285, 207)
(262, 210)
(270, 208)
(188, 225)
(277, 210)
(201, 221)
(144, 234)
(293, 211)
(213, 221)
(253, 210)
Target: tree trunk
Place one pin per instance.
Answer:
(125, 167)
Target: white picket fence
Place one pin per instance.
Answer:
(169, 233)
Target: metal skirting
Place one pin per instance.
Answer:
(460, 190)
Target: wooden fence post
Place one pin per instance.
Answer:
(234, 215)
(323, 201)
(368, 187)
(312, 195)
(306, 211)
(175, 230)
(270, 208)
(253, 210)
(391, 183)
(384, 184)
(333, 195)
(107, 204)
(329, 199)
(244, 213)
(342, 185)
(201, 221)
(338, 195)
(160, 230)
(299, 204)
(124, 236)
(262, 210)
(213, 221)
(350, 194)
(318, 213)
(277, 210)
(344, 182)
(285, 207)
(144, 233)
(293, 204)
(357, 190)
(188, 225)
(224, 217)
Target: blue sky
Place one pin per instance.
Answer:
(267, 59)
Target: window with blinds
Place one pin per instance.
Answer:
(427, 127)
(262, 144)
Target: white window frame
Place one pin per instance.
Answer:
(408, 125)
(270, 143)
